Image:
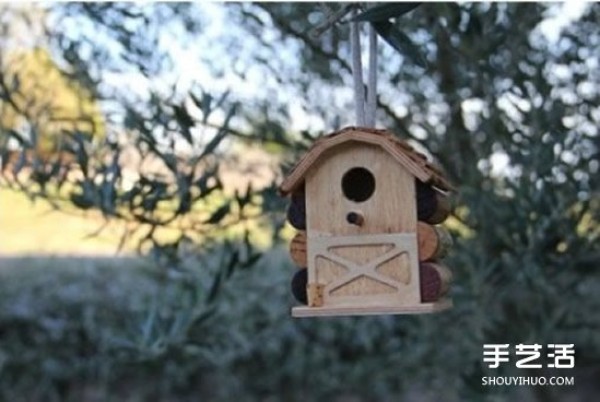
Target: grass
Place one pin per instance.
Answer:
(72, 320)
(86, 329)
(61, 316)
(103, 329)
(33, 227)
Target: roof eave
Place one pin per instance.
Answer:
(355, 134)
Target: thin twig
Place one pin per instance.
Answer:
(332, 18)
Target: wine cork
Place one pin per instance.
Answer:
(441, 211)
(433, 241)
(435, 281)
(432, 206)
(298, 285)
(298, 249)
(296, 213)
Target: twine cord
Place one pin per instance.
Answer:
(357, 74)
(372, 83)
(364, 109)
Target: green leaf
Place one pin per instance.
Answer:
(148, 325)
(400, 41)
(81, 152)
(20, 164)
(233, 262)
(81, 201)
(201, 317)
(386, 11)
(203, 183)
(186, 122)
(204, 103)
(251, 260)
(214, 289)
(243, 200)
(219, 214)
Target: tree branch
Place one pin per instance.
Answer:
(286, 28)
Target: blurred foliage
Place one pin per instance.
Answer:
(36, 94)
(511, 115)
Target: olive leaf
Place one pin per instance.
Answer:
(204, 102)
(400, 41)
(219, 214)
(185, 121)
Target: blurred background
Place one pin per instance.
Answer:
(143, 244)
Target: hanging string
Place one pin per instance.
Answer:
(357, 75)
(365, 110)
(372, 81)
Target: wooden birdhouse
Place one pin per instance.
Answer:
(365, 204)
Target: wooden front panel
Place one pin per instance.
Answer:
(390, 209)
(379, 270)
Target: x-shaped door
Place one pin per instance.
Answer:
(401, 243)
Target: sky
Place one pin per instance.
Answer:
(194, 66)
(561, 17)
(196, 61)
(557, 19)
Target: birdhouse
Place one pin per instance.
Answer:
(365, 205)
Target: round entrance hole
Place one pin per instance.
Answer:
(358, 184)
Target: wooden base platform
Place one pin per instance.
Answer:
(423, 308)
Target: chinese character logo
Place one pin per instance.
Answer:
(564, 356)
(560, 355)
(495, 354)
(532, 352)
